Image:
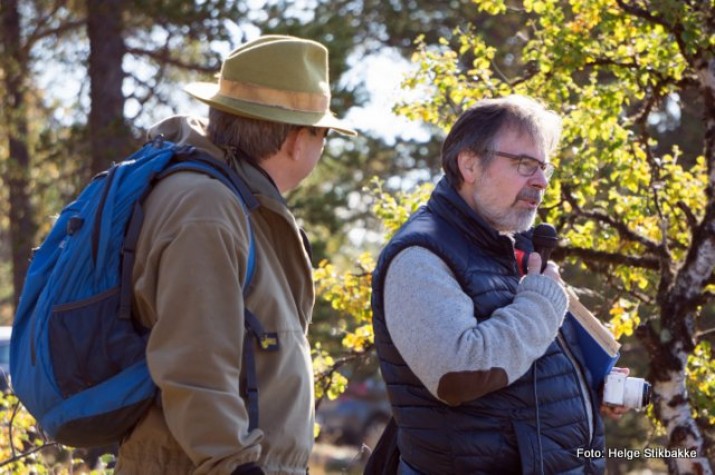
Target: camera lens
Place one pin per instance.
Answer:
(646, 393)
(636, 393)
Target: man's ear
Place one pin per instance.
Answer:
(469, 167)
(292, 144)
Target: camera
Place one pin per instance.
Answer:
(620, 390)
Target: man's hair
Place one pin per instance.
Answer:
(478, 129)
(259, 139)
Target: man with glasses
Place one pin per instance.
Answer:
(481, 370)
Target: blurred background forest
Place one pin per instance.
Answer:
(634, 199)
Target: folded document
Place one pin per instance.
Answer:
(598, 345)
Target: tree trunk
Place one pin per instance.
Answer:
(679, 297)
(110, 138)
(17, 178)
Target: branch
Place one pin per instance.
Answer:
(164, 57)
(697, 270)
(602, 217)
(633, 292)
(641, 117)
(649, 338)
(39, 34)
(531, 69)
(15, 458)
(642, 12)
(591, 255)
(324, 377)
(663, 80)
(604, 61)
(689, 215)
(656, 180)
(11, 426)
(42, 30)
(623, 230)
(702, 333)
(151, 89)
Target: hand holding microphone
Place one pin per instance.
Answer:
(545, 241)
(534, 266)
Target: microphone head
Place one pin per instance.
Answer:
(544, 237)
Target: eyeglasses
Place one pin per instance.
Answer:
(318, 131)
(527, 165)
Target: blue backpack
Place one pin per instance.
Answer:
(77, 357)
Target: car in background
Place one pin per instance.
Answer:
(5, 333)
(356, 417)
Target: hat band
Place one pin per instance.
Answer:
(298, 101)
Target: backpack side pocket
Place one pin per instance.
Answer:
(89, 344)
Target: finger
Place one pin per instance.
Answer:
(614, 416)
(610, 412)
(618, 413)
(533, 265)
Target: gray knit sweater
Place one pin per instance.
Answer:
(431, 321)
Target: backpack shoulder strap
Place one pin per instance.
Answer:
(191, 159)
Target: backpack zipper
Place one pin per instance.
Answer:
(100, 210)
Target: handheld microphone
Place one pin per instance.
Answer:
(545, 241)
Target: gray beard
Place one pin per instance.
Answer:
(516, 222)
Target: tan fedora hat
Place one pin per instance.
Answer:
(276, 78)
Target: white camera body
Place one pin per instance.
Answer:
(620, 390)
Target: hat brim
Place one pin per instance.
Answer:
(209, 93)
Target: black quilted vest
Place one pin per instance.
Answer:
(499, 432)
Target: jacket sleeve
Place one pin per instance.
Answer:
(195, 346)
(431, 322)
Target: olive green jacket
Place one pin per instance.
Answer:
(188, 278)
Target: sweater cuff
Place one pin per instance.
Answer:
(248, 469)
(549, 289)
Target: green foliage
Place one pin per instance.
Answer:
(394, 209)
(701, 382)
(16, 427)
(23, 449)
(349, 293)
(624, 317)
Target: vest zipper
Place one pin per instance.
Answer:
(588, 406)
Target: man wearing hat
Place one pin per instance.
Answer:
(268, 118)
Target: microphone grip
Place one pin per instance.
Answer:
(545, 254)
(544, 240)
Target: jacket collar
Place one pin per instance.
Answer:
(257, 178)
(190, 130)
(450, 206)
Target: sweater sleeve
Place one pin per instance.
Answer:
(432, 324)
